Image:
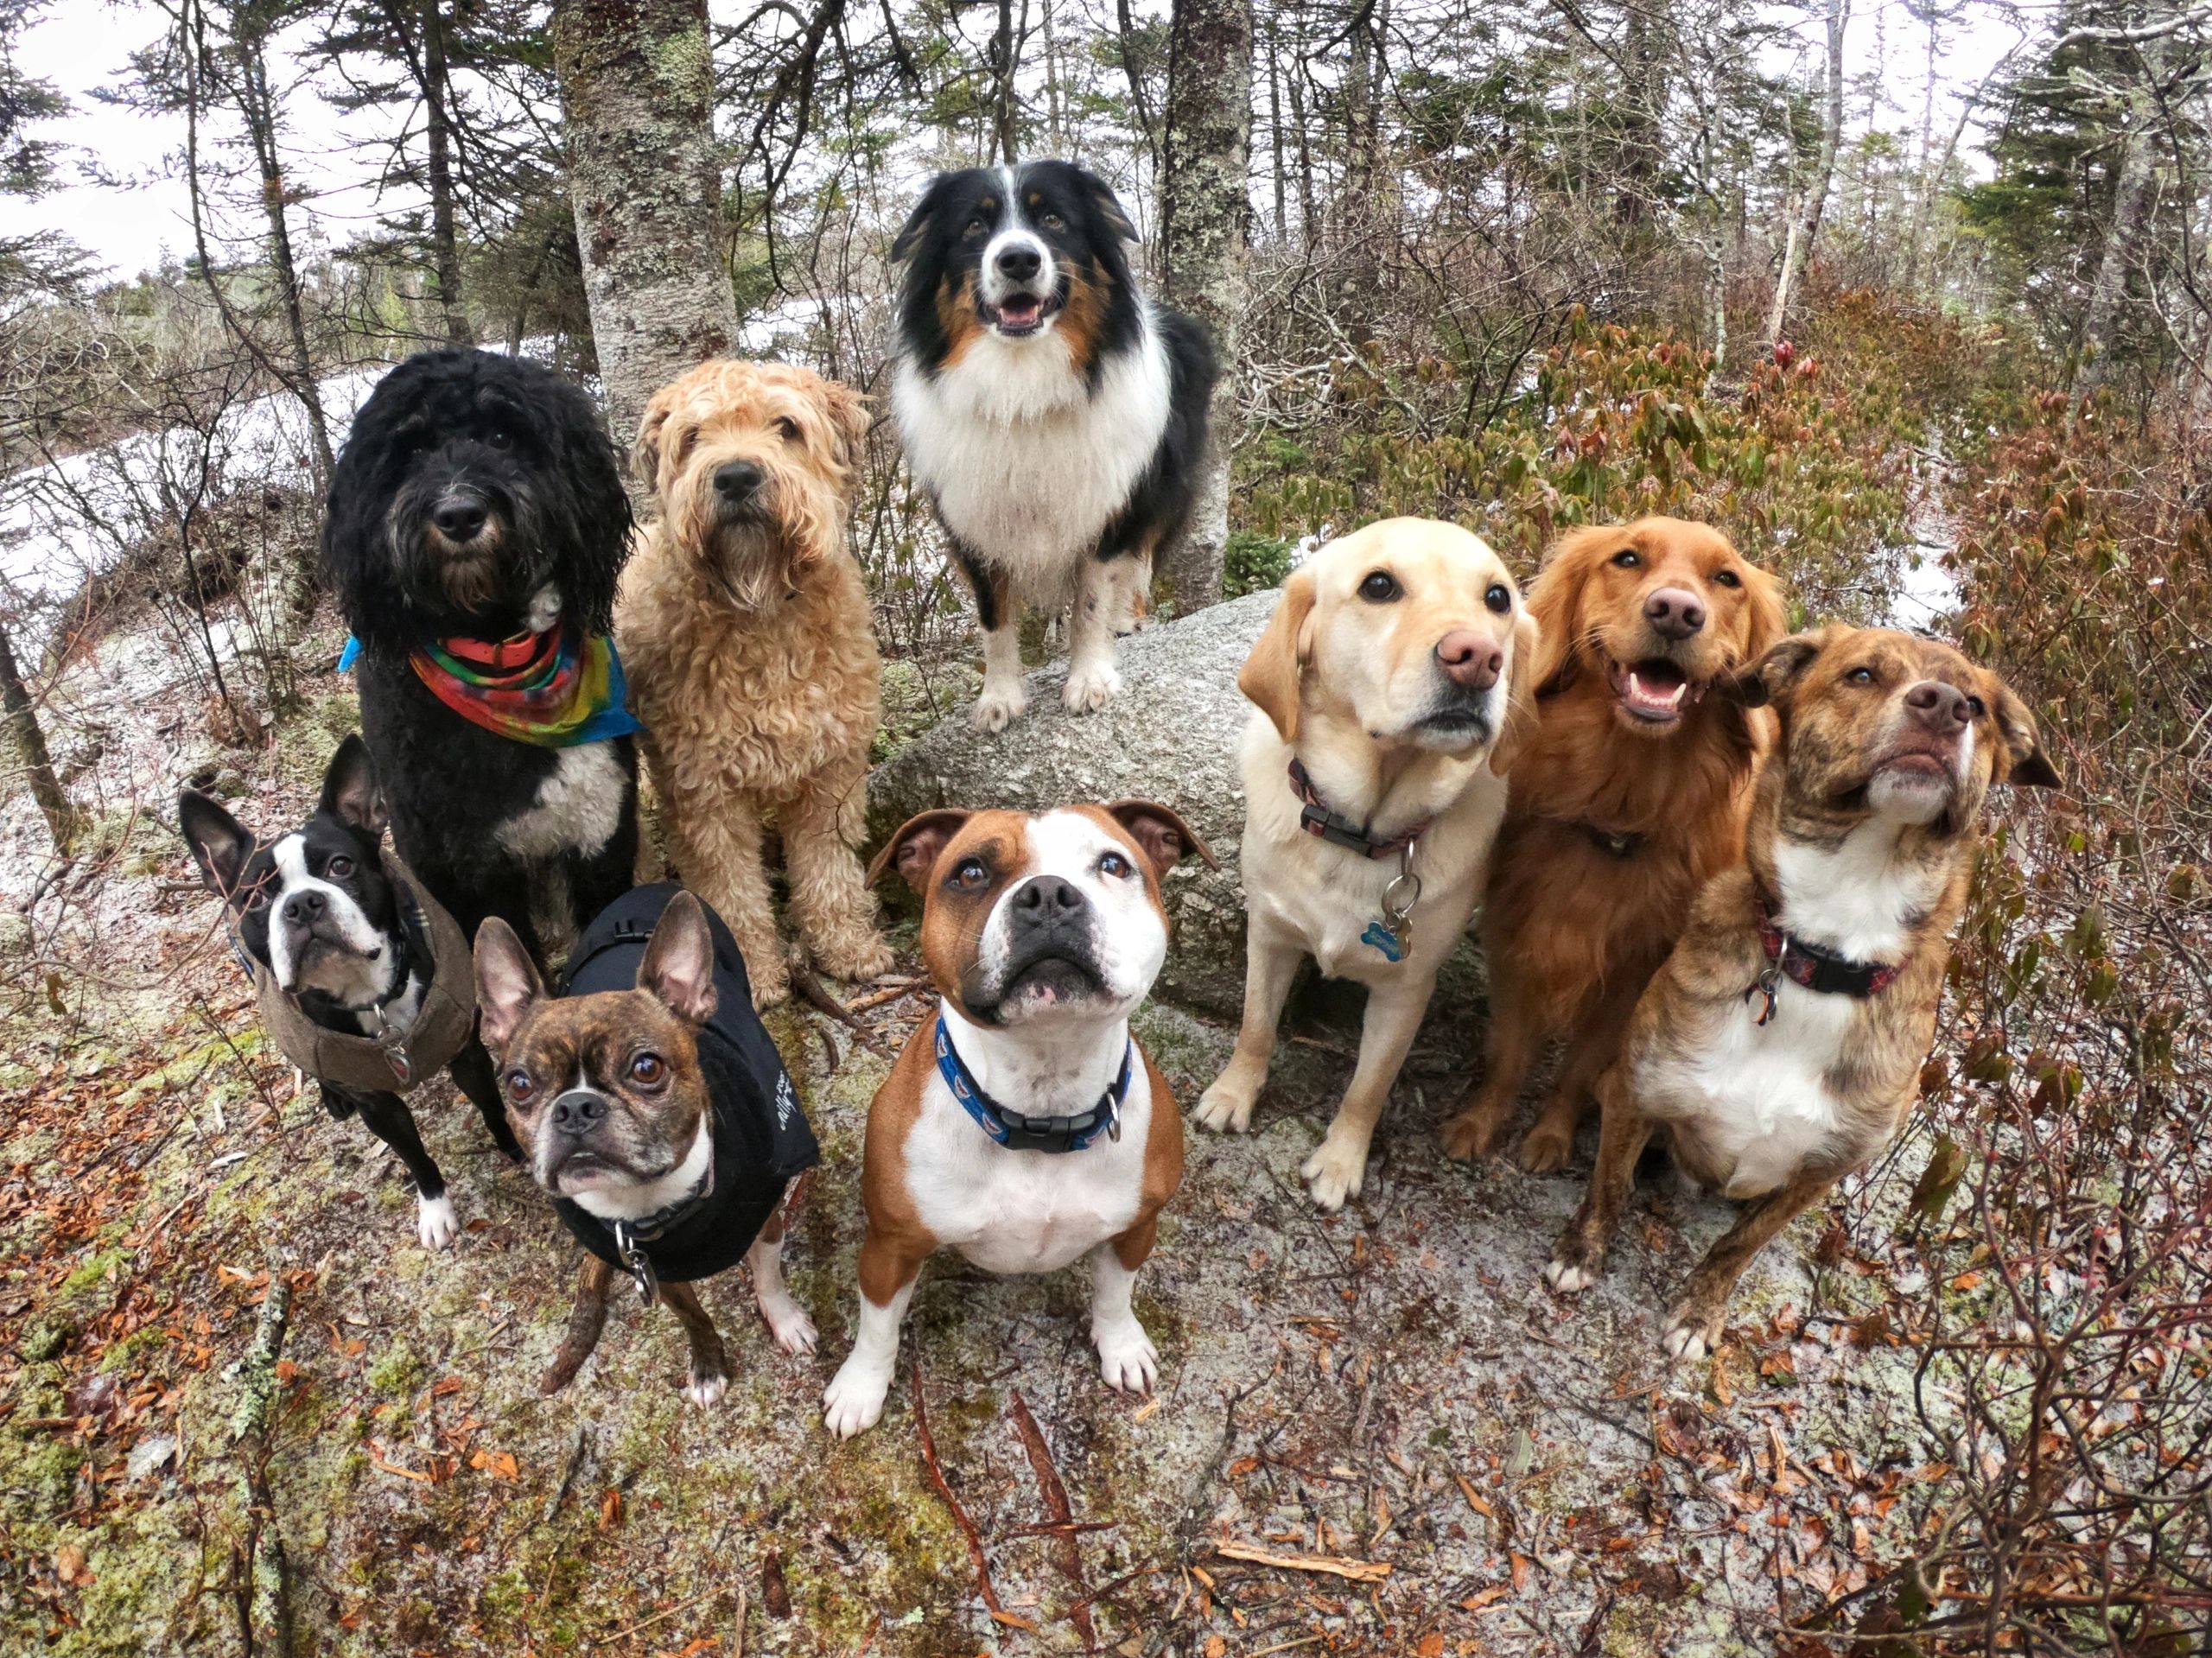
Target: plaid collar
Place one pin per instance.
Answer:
(1817, 969)
(1318, 820)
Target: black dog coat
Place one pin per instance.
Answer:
(761, 1140)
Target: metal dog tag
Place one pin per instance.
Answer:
(1392, 933)
(638, 1264)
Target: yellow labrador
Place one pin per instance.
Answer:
(1391, 691)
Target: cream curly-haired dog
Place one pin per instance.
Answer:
(744, 628)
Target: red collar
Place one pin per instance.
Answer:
(1817, 969)
(1318, 820)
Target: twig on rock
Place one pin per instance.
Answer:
(1070, 1552)
(811, 991)
(999, 1614)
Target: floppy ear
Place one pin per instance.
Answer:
(1769, 616)
(913, 846)
(848, 420)
(2030, 770)
(220, 844)
(1272, 676)
(918, 222)
(1165, 837)
(1770, 680)
(350, 791)
(678, 968)
(1555, 600)
(1522, 714)
(1110, 211)
(645, 454)
(507, 985)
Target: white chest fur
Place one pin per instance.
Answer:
(1027, 462)
(577, 810)
(1023, 1211)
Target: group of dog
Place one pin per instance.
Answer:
(1723, 864)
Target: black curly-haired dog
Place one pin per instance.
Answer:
(477, 499)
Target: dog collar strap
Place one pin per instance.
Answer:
(1817, 969)
(1018, 1133)
(632, 1236)
(1339, 830)
(556, 689)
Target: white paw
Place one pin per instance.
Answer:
(1568, 1280)
(853, 1400)
(999, 707)
(434, 1222)
(1220, 1109)
(1127, 1358)
(706, 1391)
(1091, 687)
(1684, 1341)
(788, 1323)
(1335, 1173)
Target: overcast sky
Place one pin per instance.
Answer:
(82, 47)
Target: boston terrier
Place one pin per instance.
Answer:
(1022, 1125)
(364, 980)
(656, 1112)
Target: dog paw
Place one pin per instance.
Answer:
(788, 1323)
(706, 1391)
(1545, 1150)
(1127, 1358)
(771, 989)
(857, 963)
(1091, 687)
(1225, 1110)
(1567, 1279)
(434, 1222)
(998, 706)
(853, 1400)
(1335, 1173)
(1468, 1135)
(1690, 1335)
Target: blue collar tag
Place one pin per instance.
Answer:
(1018, 1133)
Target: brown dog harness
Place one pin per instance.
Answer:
(393, 1059)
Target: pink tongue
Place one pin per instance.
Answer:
(1021, 310)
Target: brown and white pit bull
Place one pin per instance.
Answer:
(1022, 1125)
(1776, 1052)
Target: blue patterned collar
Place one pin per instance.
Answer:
(1018, 1133)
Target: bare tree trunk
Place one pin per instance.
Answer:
(1806, 224)
(30, 743)
(445, 248)
(636, 85)
(1274, 128)
(1205, 214)
(1005, 60)
(2131, 199)
(1133, 71)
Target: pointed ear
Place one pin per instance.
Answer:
(913, 846)
(220, 844)
(507, 985)
(1272, 676)
(848, 420)
(678, 970)
(645, 454)
(1166, 838)
(1522, 714)
(350, 791)
(2031, 769)
(1774, 676)
(1555, 600)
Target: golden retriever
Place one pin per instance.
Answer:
(1630, 794)
(1390, 691)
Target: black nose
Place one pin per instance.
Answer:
(737, 480)
(459, 519)
(1020, 261)
(1942, 709)
(1047, 900)
(1675, 612)
(578, 1111)
(301, 908)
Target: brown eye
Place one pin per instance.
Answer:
(648, 1070)
(1052, 222)
(1628, 558)
(1114, 864)
(1860, 676)
(1727, 579)
(1978, 707)
(339, 867)
(519, 1087)
(1498, 598)
(970, 874)
(787, 429)
(1379, 588)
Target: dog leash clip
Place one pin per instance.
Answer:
(1392, 934)
(637, 1263)
(1768, 987)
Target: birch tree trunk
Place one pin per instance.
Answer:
(1206, 218)
(2130, 198)
(1805, 224)
(636, 89)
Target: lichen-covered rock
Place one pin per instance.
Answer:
(1172, 735)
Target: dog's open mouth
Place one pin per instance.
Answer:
(1654, 691)
(1021, 313)
(1051, 979)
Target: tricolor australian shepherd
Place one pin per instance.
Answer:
(1056, 417)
